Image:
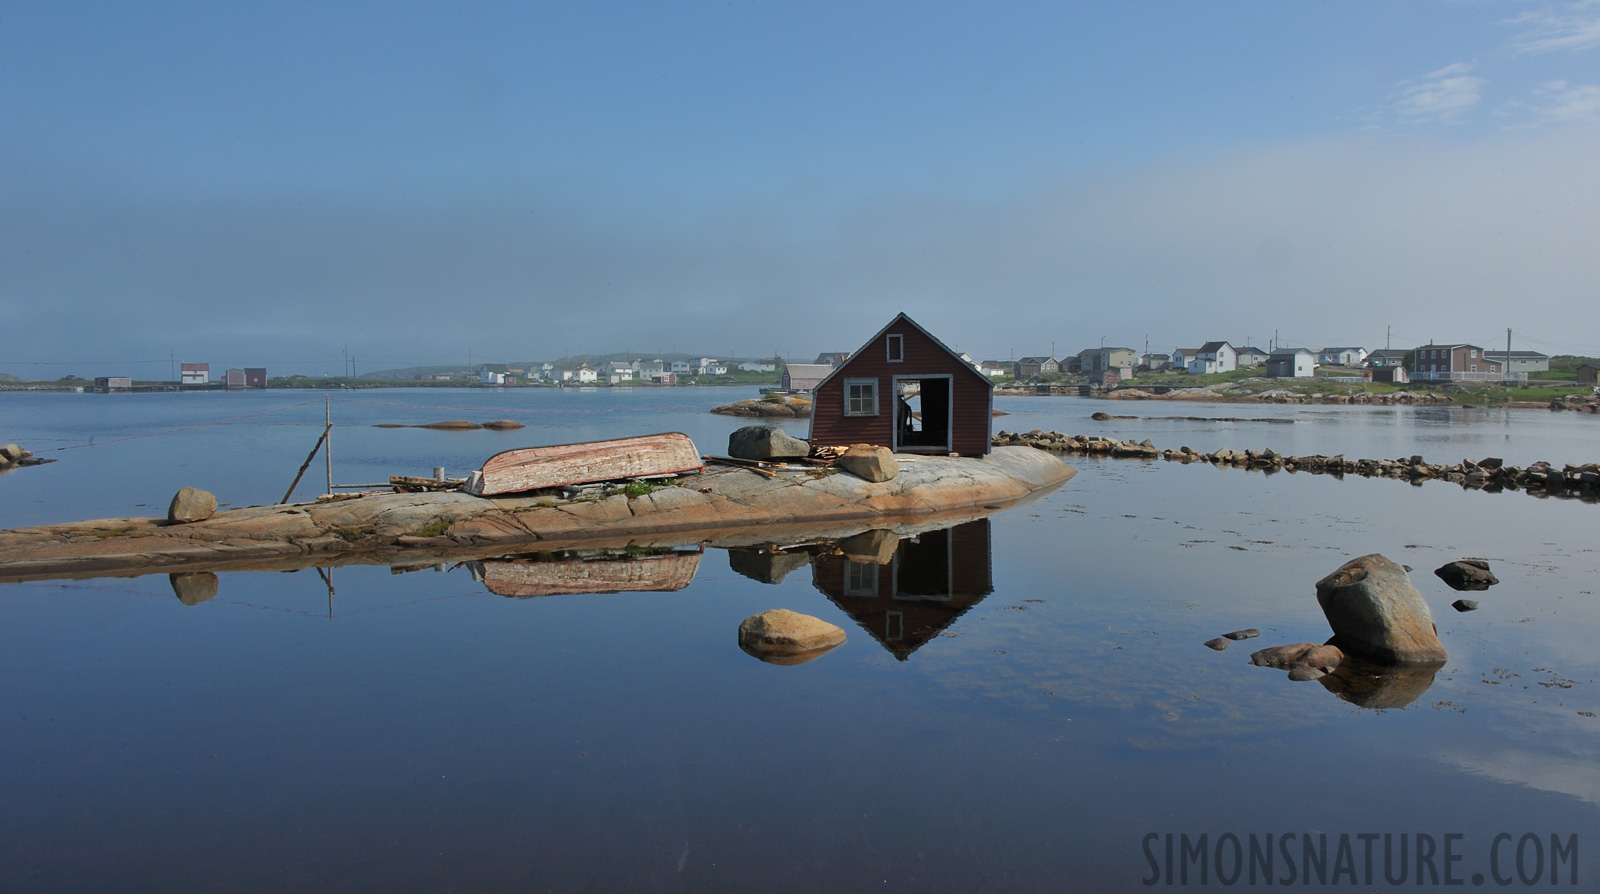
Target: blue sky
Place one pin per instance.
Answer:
(264, 184)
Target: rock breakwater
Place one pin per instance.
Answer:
(1489, 474)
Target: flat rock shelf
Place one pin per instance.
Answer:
(719, 503)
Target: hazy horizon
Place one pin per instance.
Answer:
(264, 187)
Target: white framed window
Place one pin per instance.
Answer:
(861, 397)
(895, 344)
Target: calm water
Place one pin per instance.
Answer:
(1040, 704)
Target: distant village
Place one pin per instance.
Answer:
(1103, 366)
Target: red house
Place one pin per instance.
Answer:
(905, 390)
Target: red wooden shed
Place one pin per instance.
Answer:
(905, 390)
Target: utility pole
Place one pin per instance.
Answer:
(1505, 368)
(1386, 338)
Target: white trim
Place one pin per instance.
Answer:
(950, 410)
(891, 342)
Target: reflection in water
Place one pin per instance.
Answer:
(588, 571)
(1379, 686)
(905, 591)
(767, 566)
(194, 587)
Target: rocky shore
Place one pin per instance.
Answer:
(1236, 392)
(1489, 474)
(722, 502)
(772, 406)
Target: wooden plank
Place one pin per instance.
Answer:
(560, 465)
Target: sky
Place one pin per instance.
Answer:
(438, 183)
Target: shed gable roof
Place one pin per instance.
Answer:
(857, 353)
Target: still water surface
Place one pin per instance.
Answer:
(1020, 702)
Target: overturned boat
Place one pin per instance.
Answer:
(564, 465)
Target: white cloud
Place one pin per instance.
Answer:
(1572, 27)
(1444, 96)
(1561, 103)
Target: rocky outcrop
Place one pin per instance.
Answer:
(1376, 613)
(765, 442)
(1581, 403)
(1303, 661)
(731, 504)
(191, 504)
(775, 406)
(12, 456)
(1467, 574)
(869, 462)
(781, 636)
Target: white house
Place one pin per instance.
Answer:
(1182, 356)
(681, 367)
(586, 375)
(1291, 363)
(618, 371)
(1342, 356)
(758, 366)
(1249, 357)
(1214, 357)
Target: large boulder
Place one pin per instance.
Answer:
(191, 504)
(1467, 574)
(11, 453)
(765, 442)
(870, 462)
(1377, 614)
(781, 636)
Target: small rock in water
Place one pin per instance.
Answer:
(781, 636)
(503, 425)
(1247, 633)
(1218, 644)
(1464, 605)
(1303, 661)
(1467, 574)
(191, 505)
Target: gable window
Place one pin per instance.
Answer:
(861, 397)
(897, 349)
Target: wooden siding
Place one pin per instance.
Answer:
(970, 397)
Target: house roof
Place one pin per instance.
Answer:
(1211, 347)
(1343, 349)
(925, 334)
(1518, 355)
(1187, 352)
(1250, 349)
(809, 370)
(1290, 352)
(1036, 359)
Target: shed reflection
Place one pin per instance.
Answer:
(905, 593)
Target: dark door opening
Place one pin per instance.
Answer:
(922, 414)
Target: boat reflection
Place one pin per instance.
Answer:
(904, 591)
(588, 571)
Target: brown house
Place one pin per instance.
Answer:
(1447, 363)
(1587, 374)
(905, 390)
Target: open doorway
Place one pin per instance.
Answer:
(922, 414)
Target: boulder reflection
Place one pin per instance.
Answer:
(1371, 685)
(905, 591)
(588, 571)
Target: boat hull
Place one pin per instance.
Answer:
(560, 465)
